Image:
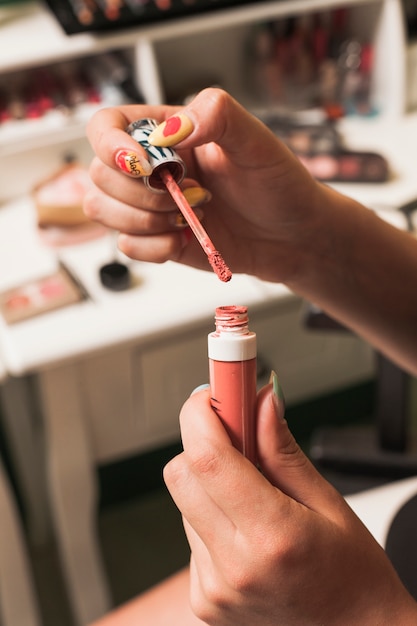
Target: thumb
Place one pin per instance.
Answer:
(280, 457)
(215, 117)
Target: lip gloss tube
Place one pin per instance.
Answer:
(232, 374)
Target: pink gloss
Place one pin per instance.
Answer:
(214, 257)
(232, 370)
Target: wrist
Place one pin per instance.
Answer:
(324, 247)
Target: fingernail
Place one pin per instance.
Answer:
(179, 220)
(199, 388)
(278, 396)
(196, 196)
(172, 131)
(133, 163)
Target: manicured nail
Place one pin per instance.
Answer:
(179, 220)
(196, 196)
(172, 131)
(133, 163)
(278, 396)
(199, 388)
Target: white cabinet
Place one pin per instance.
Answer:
(130, 397)
(170, 58)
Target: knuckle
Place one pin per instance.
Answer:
(206, 461)
(91, 204)
(95, 170)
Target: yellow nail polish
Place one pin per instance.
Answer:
(196, 196)
(172, 131)
(179, 220)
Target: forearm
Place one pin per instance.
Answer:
(363, 272)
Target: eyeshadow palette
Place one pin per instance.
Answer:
(96, 15)
(40, 296)
(321, 149)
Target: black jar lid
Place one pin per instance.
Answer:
(115, 276)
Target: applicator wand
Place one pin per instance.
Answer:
(168, 170)
(214, 257)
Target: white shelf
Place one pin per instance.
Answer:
(41, 40)
(205, 48)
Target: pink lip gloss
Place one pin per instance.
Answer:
(232, 372)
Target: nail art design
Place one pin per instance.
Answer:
(196, 196)
(172, 131)
(276, 385)
(132, 163)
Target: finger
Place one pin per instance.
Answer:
(156, 248)
(215, 117)
(200, 512)
(106, 131)
(229, 479)
(207, 584)
(131, 220)
(281, 459)
(128, 190)
(133, 191)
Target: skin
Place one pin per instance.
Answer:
(268, 218)
(280, 547)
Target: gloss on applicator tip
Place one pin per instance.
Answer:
(232, 371)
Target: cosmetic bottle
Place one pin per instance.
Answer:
(232, 372)
(159, 158)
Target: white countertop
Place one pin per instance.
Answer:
(167, 296)
(396, 139)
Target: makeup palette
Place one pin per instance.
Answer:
(40, 296)
(97, 15)
(321, 149)
(347, 167)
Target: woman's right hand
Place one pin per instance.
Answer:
(265, 208)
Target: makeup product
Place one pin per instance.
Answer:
(115, 275)
(232, 370)
(41, 296)
(168, 171)
(159, 158)
(321, 149)
(59, 198)
(347, 167)
(214, 257)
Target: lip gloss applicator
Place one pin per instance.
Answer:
(168, 170)
(214, 257)
(232, 374)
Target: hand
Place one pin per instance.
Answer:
(264, 214)
(277, 547)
